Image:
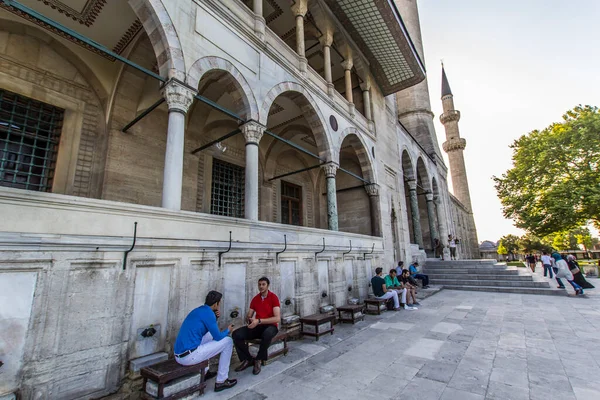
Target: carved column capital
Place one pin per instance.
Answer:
(253, 132)
(372, 189)
(347, 64)
(412, 184)
(300, 8)
(326, 38)
(330, 169)
(178, 96)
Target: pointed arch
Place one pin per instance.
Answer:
(159, 27)
(243, 97)
(423, 175)
(311, 113)
(362, 152)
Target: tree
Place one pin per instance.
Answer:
(509, 243)
(554, 184)
(570, 240)
(531, 244)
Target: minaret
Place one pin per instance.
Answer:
(454, 145)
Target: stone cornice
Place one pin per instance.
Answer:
(450, 116)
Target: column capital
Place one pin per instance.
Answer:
(300, 8)
(330, 169)
(326, 38)
(252, 131)
(347, 64)
(429, 196)
(412, 184)
(179, 97)
(365, 86)
(372, 189)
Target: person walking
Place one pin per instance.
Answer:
(577, 274)
(562, 271)
(452, 241)
(547, 264)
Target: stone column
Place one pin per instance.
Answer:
(332, 213)
(259, 19)
(373, 193)
(431, 217)
(300, 8)
(253, 132)
(347, 65)
(414, 208)
(366, 88)
(179, 99)
(326, 41)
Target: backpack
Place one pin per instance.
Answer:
(389, 304)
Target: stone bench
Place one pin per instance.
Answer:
(351, 313)
(317, 325)
(374, 305)
(170, 380)
(279, 346)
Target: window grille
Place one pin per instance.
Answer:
(29, 139)
(227, 189)
(291, 204)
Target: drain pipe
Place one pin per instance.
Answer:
(132, 246)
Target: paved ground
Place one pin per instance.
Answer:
(459, 345)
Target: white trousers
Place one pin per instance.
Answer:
(210, 348)
(394, 294)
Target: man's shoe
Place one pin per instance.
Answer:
(409, 308)
(256, 369)
(416, 303)
(209, 375)
(245, 364)
(229, 383)
(560, 287)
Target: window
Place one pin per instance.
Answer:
(29, 139)
(291, 204)
(227, 189)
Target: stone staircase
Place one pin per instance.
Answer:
(487, 276)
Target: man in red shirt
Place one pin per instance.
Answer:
(263, 318)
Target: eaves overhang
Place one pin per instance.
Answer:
(377, 28)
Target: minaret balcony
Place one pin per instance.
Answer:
(454, 144)
(450, 116)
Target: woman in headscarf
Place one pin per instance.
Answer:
(564, 272)
(577, 274)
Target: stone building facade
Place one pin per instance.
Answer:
(154, 150)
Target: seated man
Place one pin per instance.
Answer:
(382, 292)
(263, 317)
(199, 339)
(414, 273)
(410, 285)
(392, 282)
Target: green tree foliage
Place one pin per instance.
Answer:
(501, 249)
(509, 243)
(570, 240)
(554, 184)
(533, 244)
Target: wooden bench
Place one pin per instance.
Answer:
(282, 336)
(373, 305)
(167, 372)
(351, 313)
(317, 325)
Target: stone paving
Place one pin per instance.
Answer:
(457, 346)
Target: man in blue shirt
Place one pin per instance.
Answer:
(199, 339)
(414, 273)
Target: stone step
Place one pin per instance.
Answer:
(470, 266)
(471, 271)
(475, 282)
(462, 262)
(489, 277)
(500, 289)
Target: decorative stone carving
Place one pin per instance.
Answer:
(347, 64)
(300, 8)
(454, 144)
(178, 96)
(330, 169)
(429, 196)
(450, 116)
(412, 184)
(372, 189)
(253, 132)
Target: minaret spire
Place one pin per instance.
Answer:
(454, 145)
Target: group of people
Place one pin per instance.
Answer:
(399, 285)
(438, 247)
(199, 337)
(566, 268)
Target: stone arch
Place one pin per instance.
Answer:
(243, 97)
(311, 113)
(423, 175)
(361, 150)
(408, 169)
(434, 187)
(162, 33)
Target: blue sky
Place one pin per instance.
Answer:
(513, 66)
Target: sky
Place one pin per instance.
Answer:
(513, 66)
